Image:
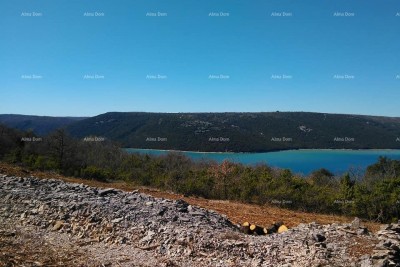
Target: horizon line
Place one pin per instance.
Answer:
(199, 112)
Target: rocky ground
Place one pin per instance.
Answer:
(48, 222)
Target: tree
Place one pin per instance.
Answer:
(384, 168)
(347, 193)
(60, 148)
(222, 172)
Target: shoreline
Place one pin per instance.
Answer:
(272, 151)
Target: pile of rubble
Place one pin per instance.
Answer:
(145, 231)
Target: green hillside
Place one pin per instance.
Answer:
(40, 125)
(242, 132)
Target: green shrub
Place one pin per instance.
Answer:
(95, 173)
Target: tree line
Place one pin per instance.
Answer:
(373, 194)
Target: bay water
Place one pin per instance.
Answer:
(298, 161)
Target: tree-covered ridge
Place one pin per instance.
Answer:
(374, 195)
(242, 132)
(40, 125)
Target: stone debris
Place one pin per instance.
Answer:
(387, 251)
(113, 224)
(57, 226)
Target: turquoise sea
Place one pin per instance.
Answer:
(299, 161)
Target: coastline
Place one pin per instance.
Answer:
(269, 151)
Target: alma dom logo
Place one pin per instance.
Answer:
(281, 14)
(218, 14)
(281, 139)
(94, 14)
(218, 139)
(281, 77)
(156, 76)
(344, 14)
(157, 14)
(31, 77)
(156, 139)
(31, 14)
(343, 77)
(94, 139)
(93, 77)
(218, 77)
(31, 139)
(344, 139)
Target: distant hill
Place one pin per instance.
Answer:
(242, 132)
(40, 125)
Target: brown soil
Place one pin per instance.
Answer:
(25, 246)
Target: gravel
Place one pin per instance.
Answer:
(117, 228)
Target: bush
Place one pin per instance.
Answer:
(95, 173)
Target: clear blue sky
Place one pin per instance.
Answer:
(188, 45)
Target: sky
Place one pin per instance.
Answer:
(60, 61)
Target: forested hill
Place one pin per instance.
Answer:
(242, 132)
(40, 125)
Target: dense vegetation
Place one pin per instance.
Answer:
(41, 125)
(374, 195)
(247, 132)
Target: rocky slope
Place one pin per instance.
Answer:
(109, 227)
